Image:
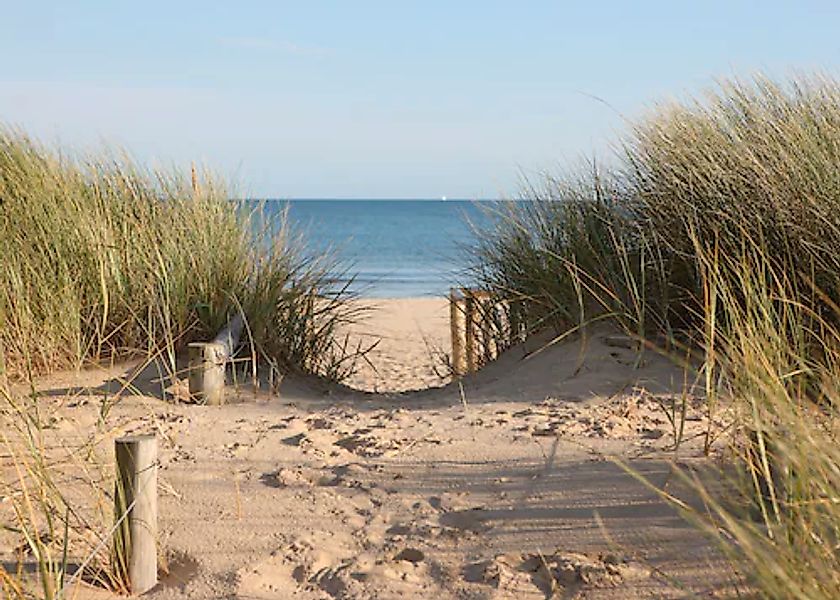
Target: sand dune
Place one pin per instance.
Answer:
(496, 488)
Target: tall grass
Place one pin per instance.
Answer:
(779, 520)
(757, 158)
(718, 231)
(571, 250)
(57, 505)
(104, 259)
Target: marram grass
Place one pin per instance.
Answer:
(717, 232)
(103, 259)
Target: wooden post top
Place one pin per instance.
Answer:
(133, 439)
(459, 293)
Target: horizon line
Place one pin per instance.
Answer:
(362, 198)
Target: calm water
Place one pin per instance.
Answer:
(396, 248)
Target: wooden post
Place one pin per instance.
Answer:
(517, 321)
(207, 372)
(208, 360)
(469, 329)
(135, 546)
(485, 315)
(455, 331)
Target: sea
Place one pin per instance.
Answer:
(391, 248)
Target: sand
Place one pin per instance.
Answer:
(411, 336)
(498, 486)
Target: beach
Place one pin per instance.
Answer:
(412, 300)
(500, 486)
(411, 337)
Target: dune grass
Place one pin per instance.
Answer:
(780, 361)
(104, 260)
(58, 505)
(718, 232)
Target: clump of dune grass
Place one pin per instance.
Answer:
(104, 259)
(753, 157)
(780, 361)
(571, 252)
(716, 233)
(56, 504)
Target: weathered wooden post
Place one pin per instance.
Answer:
(208, 360)
(485, 316)
(207, 372)
(477, 342)
(516, 310)
(456, 315)
(135, 503)
(469, 329)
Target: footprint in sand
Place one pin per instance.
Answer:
(473, 520)
(299, 476)
(561, 574)
(300, 568)
(327, 563)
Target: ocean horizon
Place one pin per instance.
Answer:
(390, 248)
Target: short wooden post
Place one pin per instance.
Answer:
(207, 372)
(469, 329)
(456, 315)
(135, 544)
(517, 321)
(485, 315)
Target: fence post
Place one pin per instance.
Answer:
(485, 316)
(455, 317)
(136, 494)
(207, 372)
(208, 360)
(516, 310)
(469, 329)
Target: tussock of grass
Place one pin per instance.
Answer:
(56, 503)
(103, 259)
(757, 158)
(718, 230)
(781, 364)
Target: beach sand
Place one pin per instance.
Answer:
(498, 487)
(411, 335)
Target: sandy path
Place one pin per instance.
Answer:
(413, 333)
(330, 493)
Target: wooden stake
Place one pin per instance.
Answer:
(469, 329)
(485, 317)
(455, 331)
(207, 372)
(229, 336)
(136, 494)
(516, 321)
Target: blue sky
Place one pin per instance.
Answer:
(380, 99)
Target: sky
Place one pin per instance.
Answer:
(383, 99)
